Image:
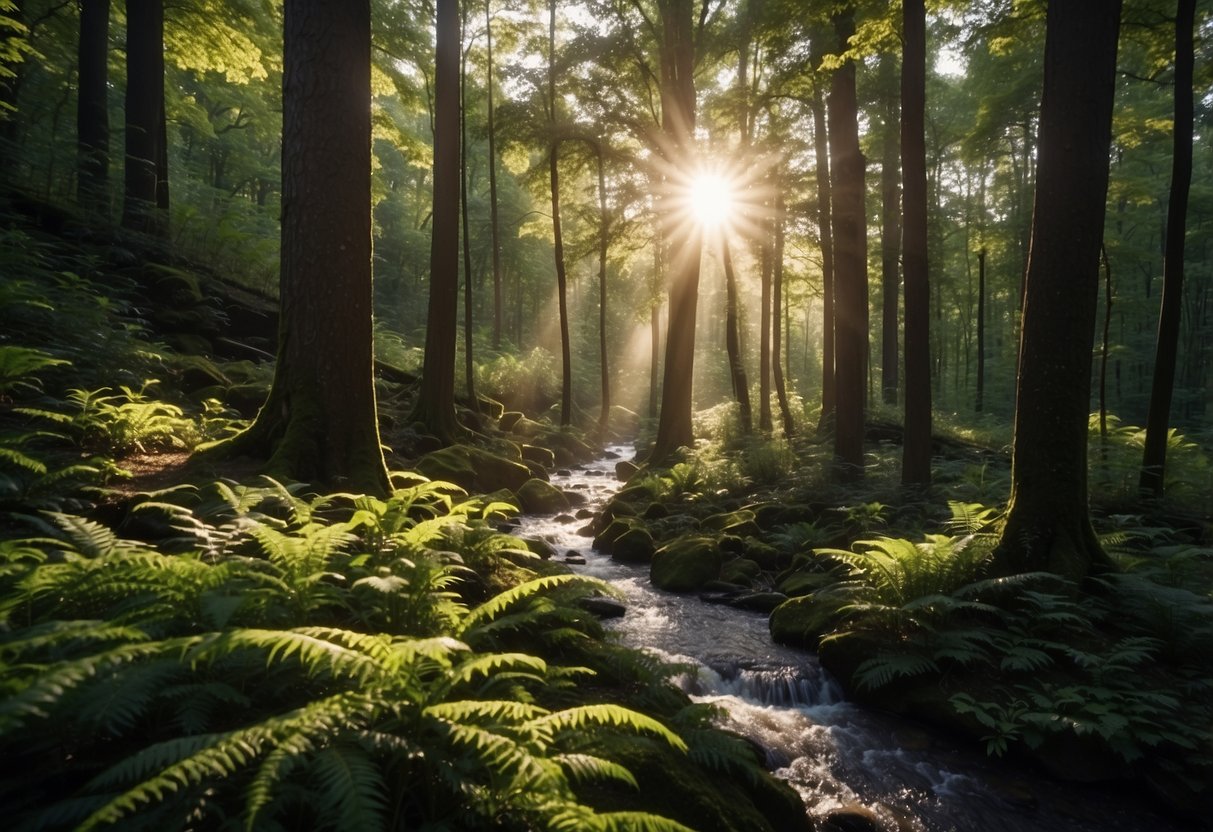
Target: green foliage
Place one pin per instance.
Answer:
(292, 655)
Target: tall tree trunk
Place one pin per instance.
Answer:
(435, 406)
(319, 423)
(566, 374)
(469, 364)
(1154, 459)
(144, 116)
(654, 355)
(494, 224)
(1104, 342)
(604, 230)
(979, 404)
(825, 223)
(732, 341)
(890, 232)
(1047, 525)
(766, 265)
(850, 262)
(674, 428)
(777, 316)
(92, 107)
(916, 441)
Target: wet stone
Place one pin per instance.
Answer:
(584, 514)
(565, 518)
(574, 560)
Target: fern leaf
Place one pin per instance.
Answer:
(501, 602)
(351, 783)
(585, 768)
(578, 718)
(880, 670)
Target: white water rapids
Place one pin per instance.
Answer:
(838, 756)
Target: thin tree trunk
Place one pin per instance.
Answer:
(144, 115)
(737, 374)
(435, 407)
(890, 233)
(566, 375)
(1154, 459)
(469, 364)
(494, 225)
(825, 223)
(850, 260)
(1103, 347)
(654, 355)
(604, 417)
(979, 404)
(92, 107)
(778, 317)
(764, 339)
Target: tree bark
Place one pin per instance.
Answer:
(850, 262)
(737, 374)
(566, 372)
(777, 317)
(435, 407)
(766, 266)
(979, 404)
(890, 231)
(1154, 459)
(825, 222)
(674, 428)
(319, 423)
(916, 442)
(604, 229)
(469, 364)
(92, 107)
(1048, 526)
(494, 224)
(144, 118)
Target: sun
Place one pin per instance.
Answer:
(711, 199)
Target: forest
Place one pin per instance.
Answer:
(624, 415)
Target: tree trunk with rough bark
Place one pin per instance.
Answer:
(92, 107)
(890, 231)
(732, 341)
(494, 223)
(825, 222)
(145, 130)
(1048, 525)
(566, 366)
(777, 316)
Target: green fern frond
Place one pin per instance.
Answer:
(490, 664)
(581, 717)
(351, 784)
(581, 819)
(319, 651)
(503, 601)
(586, 768)
(880, 670)
(491, 711)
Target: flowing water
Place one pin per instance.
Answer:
(838, 756)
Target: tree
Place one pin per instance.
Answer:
(737, 374)
(682, 239)
(494, 223)
(319, 423)
(890, 228)
(1047, 525)
(566, 374)
(604, 238)
(1154, 458)
(916, 440)
(145, 198)
(777, 316)
(850, 261)
(469, 364)
(92, 106)
(825, 223)
(435, 407)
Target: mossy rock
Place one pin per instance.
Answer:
(539, 456)
(491, 407)
(634, 546)
(474, 469)
(686, 563)
(569, 449)
(800, 622)
(764, 554)
(508, 419)
(758, 601)
(740, 571)
(632, 495)
(540, 547)
(655, 511)
(624, 422)
(604, 541)
(625, 470)
(528, 428)
(672, 785)
(540, 497)
(795, 583)
(728, 519)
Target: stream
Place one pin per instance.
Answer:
(841, 758)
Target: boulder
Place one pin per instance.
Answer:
(605, 540)
(540, 547)
(624, 469)
(474, 469)
(603, 608)
(764, 554)
(686, 563)
(540, 497)
(633, 546)
(800, 622)
(508, 419)
(740, 571)
(758, 601)
(540, 456)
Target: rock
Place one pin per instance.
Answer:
(574, 560)
(607, 537)
(632, 494)
(634, 546)
(758, 601)
(731, 544)
(624, 470)
(685, 564)
(539, 497)
(565, 518)
(764, 554)
(491, 407)
(655, 511)
(728, 519)
(603, 608)
(586, 531)
(569, 449)
(584, 514)
(852, 818)
(575, 498)
(563, 472)
(540, 547)
(740, 571)
(473, 469)
(610, 455)
(540, 456)
(527, 428)
(508, 419)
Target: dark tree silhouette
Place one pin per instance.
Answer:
(732, 341)
(1048, 525)
(850, 262)
(916, 443)
(319, 423)
(566, 362)
(435, 408)
(777, 316)
(890, 228)
(146, 196)
(825, 222)
(1154, 458)
(494, 220)
(92, 106)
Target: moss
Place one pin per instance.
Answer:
(540, 497)
(800, 622)
(474, 469)
(540, 456)
(634, 546)
(740, 571)
(686, 563)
